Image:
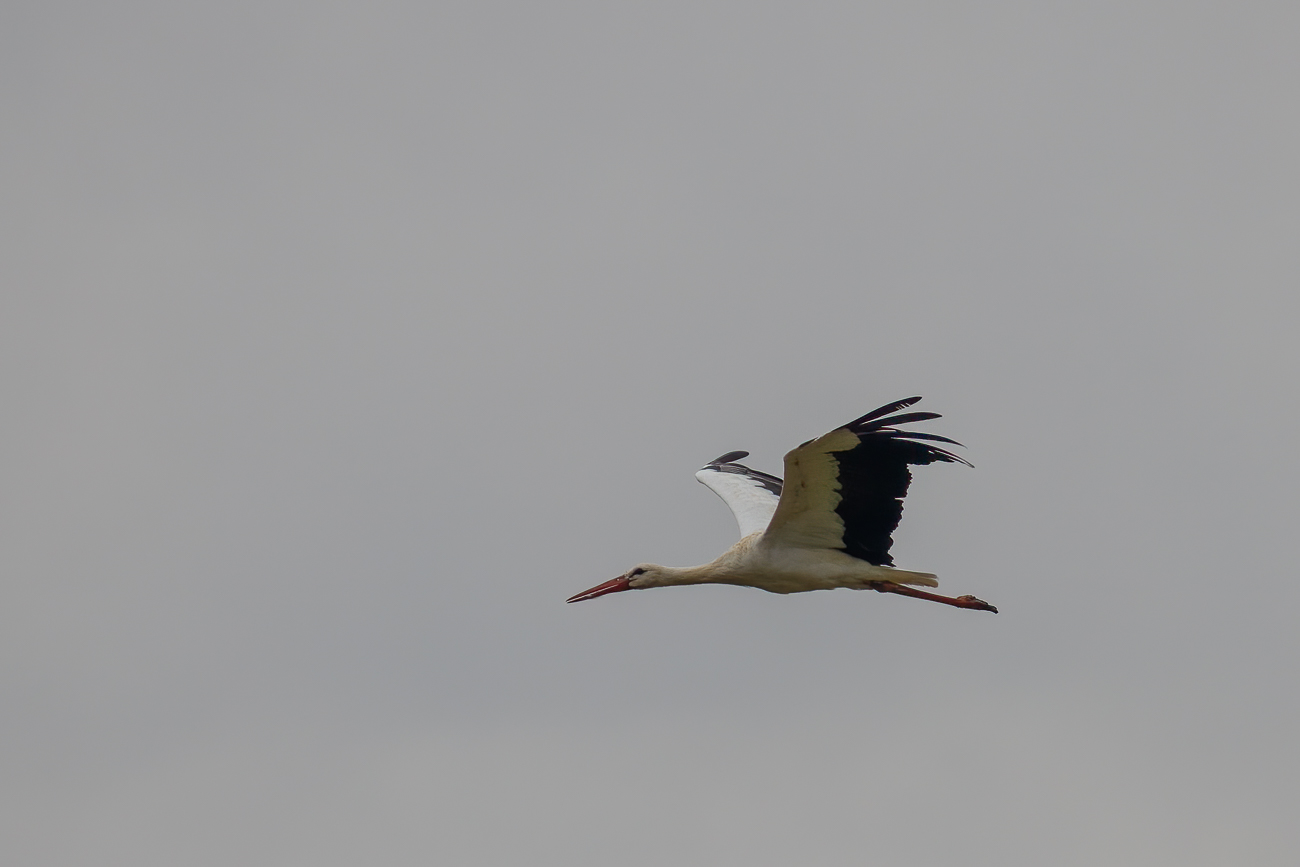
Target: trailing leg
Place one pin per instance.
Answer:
(957, 601)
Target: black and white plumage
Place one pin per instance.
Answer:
(829, 524)
(752, 496)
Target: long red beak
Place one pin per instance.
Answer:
(619, 583)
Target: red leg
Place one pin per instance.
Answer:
(958, 601)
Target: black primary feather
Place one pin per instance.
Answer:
(884, 410)
(874, 477)
(725, 464)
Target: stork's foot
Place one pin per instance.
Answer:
(977, 604)
(957, 601)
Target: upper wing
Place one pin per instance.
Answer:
(752, 496)
(845, 490)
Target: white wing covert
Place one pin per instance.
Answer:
(752, 496)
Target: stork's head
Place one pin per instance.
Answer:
(638, 578)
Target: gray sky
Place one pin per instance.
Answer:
(342, 342)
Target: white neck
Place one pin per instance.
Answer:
(723, 570)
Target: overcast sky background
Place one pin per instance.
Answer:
(342, 342)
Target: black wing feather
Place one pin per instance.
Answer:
(917, 435)
(893, 420)
(884, 410)
(874, 478)
(725, 464)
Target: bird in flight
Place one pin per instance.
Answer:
(827, 525)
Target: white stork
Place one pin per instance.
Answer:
(828, 525)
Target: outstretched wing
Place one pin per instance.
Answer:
(752, 496)
(845, 490)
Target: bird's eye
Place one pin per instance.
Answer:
(635, 572)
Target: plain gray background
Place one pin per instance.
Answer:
(343, 341)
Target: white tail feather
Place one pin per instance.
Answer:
(917, 579)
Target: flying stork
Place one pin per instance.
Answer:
(828, 525)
